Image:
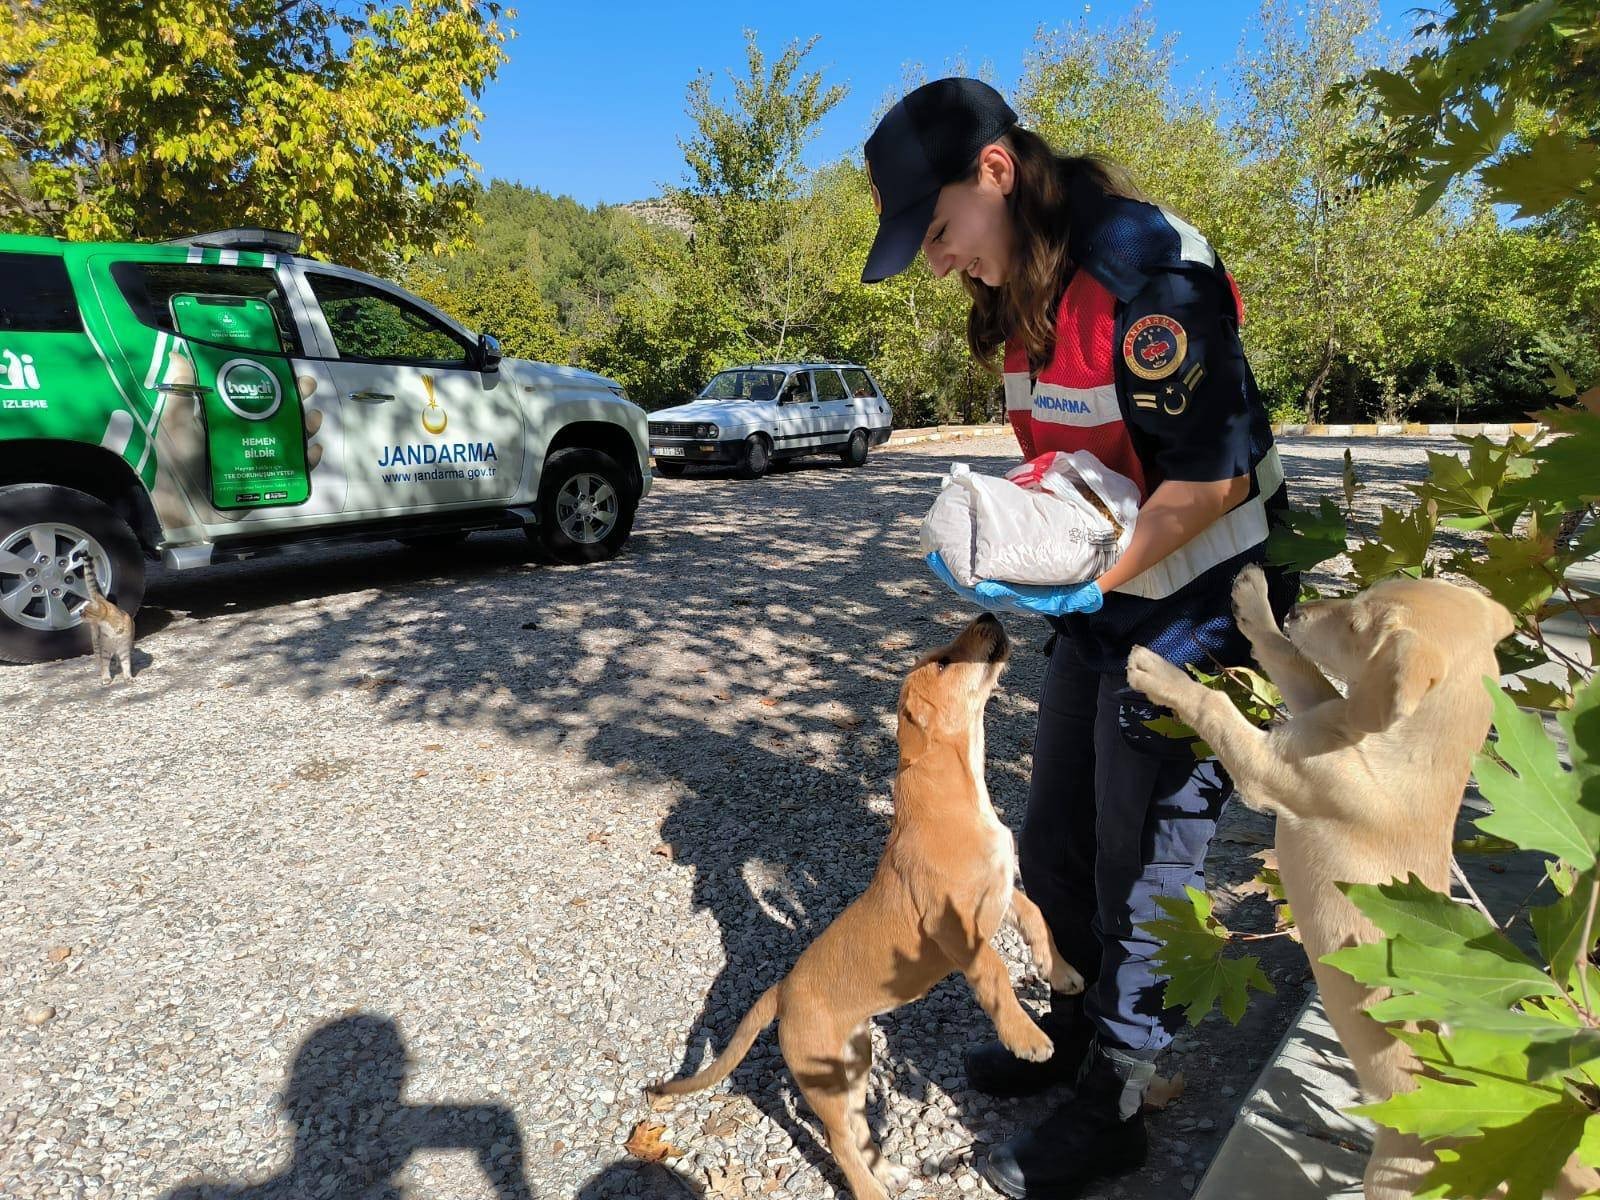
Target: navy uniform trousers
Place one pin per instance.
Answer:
(1117, 815)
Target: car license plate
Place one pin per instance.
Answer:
(667, 451)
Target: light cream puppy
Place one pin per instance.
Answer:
(1366, 786)
(942, 889)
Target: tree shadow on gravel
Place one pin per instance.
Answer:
(353, 1134)
(741, 657)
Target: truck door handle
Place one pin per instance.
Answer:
(371, 397)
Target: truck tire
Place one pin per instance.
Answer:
(41, 525)
(586, 506)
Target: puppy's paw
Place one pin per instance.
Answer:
(1251, 608)
(1029, 1043)
(1064, 978)
(1153, 675)
(894, 1178)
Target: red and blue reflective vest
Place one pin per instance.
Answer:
(1149, 375)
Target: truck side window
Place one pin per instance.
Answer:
(370, 324)
(36, 295)
(149, 287)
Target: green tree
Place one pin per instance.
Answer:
(1506, 91)
(1345, 280)
(745, 190)
(164, 118)
(501, 299)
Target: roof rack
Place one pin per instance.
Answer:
(249, 238)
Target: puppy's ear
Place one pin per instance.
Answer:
(1394, 682)
(917, 711)
(1501, 623)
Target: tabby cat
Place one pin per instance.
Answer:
(110, 629)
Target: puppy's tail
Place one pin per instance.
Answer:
(758, 1018)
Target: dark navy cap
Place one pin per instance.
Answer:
(929, 139)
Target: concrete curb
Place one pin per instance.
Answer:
(1492, 429)
(1293, 1138)
(952, 433)
(944, 433)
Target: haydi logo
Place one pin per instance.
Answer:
(19, 375)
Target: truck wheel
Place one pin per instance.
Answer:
(854, 453)
(670, 470)
(585, 506)
(757, 457)
(43, 528)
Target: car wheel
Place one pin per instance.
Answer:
(43, 529)
(854, 453)
(670, 470)
(757, 457)
(585, 506)
(435, 543)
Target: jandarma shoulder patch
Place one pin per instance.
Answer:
(1155, 346)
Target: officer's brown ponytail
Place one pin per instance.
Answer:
(1024, 307)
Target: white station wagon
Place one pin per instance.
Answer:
(750, 416)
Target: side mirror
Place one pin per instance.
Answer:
(488, 352)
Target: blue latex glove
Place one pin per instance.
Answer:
(1041, 601)
(1020, 598)
(936, 565)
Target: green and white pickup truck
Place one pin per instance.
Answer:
(222, 397)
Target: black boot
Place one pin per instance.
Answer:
(1097, 1134)
(993, 1069)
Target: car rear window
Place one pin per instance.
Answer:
(149, 287)
(859, 381)
(36, 295)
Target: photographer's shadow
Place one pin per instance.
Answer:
(353, 1134)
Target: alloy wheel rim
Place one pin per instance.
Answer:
(41, 575)
(587, 508)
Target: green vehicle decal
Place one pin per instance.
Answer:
(255, 431)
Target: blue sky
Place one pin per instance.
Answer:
(591, 104)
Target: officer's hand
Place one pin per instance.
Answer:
(1046, 601)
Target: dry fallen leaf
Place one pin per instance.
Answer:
(723, 1182)
(662, 1103)
(768, 702)
(419, 774)
(1163, 1091)
(599, 835)
(720, 1126)
(59, 953)
(645, 1143)
(664, 850)
(434, 746)
(847, 722)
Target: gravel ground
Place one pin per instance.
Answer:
(398, 876)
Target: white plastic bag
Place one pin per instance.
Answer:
(1060, 519)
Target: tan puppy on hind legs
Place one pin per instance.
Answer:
(942, 889)
(1366, 786)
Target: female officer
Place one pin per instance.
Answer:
(1119, 331)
